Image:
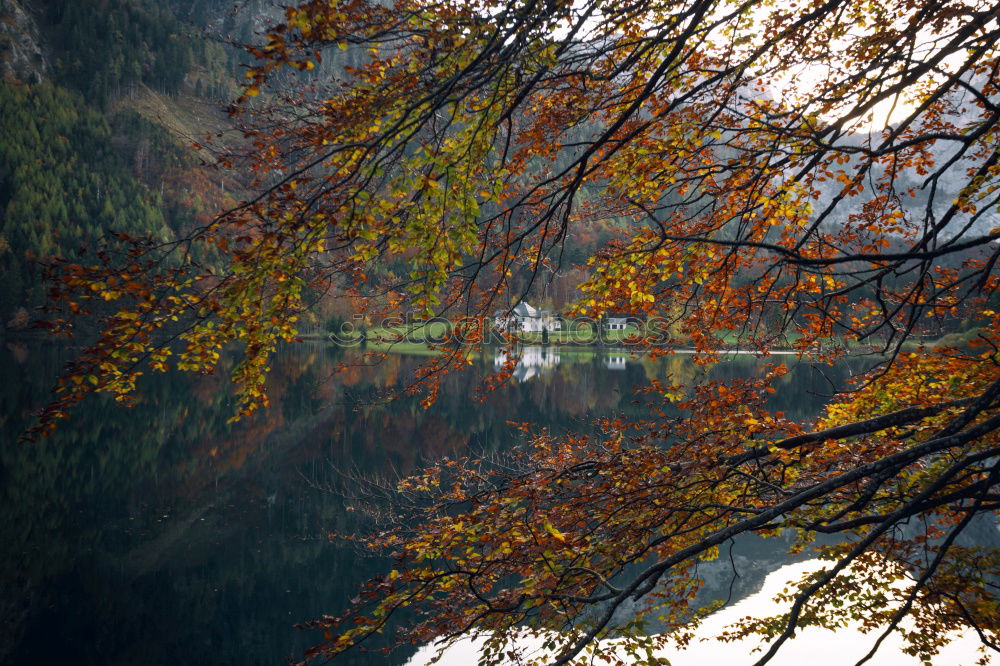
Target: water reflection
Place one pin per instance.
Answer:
(615, 361)
(532, 362)
(811, 645)
(165, 535)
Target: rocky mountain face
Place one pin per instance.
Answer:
(927, 192)
(21, 55)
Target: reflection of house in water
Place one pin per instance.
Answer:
(615, 361)
(533, 362)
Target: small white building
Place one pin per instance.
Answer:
(526, 319)
(615, 323)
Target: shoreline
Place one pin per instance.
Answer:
(425, 346)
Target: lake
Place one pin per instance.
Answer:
(164, 535)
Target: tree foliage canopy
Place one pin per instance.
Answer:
(759, 201)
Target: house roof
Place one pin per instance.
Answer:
(522, 309)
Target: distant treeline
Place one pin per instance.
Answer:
(106, 46)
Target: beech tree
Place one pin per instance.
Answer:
(820, 174)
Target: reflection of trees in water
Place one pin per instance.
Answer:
(162, 534)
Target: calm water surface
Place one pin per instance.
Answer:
(164, 535)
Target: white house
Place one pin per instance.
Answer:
(526, 319)
(615, 323)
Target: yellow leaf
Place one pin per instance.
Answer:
(550, 528)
